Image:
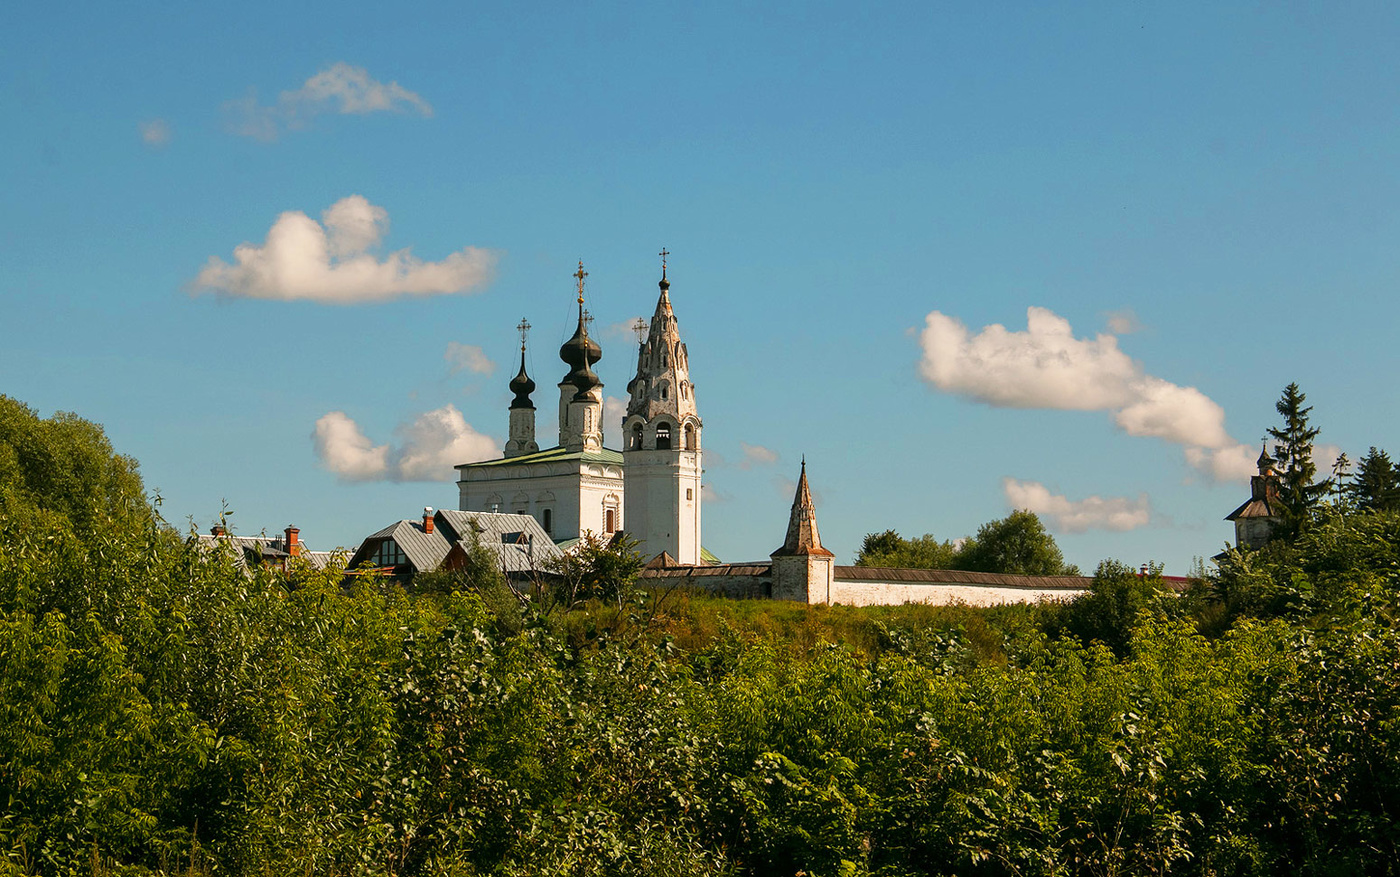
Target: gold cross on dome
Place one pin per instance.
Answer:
(580, 274)
(523, 329)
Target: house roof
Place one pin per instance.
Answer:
(424, 550)
(519, 543)
(552, 455)
(248, 549)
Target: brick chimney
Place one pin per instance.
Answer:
(217, 530)
(292, 543)
(427, 519)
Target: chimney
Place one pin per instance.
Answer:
(427, 519)
(292, 544)
(216, 530)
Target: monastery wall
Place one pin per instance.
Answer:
(876, 593)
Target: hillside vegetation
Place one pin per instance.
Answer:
(161, 711)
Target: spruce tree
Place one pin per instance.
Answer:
(1298, 492)
(1376, 485)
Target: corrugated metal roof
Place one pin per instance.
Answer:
(424, 550)
(518, 541)
(961, 577)
(552, 455)
(1255, 508)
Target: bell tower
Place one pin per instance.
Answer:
(661, 440)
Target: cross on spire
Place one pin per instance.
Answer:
(663, 254)
(523, 329)
(580, 274)
(587, 320)
(640, 327)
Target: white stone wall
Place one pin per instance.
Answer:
(868, 593)
(578, 495)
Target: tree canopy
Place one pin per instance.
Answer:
(1016, 544)
(1299, 491)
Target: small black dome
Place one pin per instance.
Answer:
(580, 349)
(522, 387)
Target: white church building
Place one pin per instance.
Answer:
(650, 488)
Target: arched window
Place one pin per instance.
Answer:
(689, 437)
(663, 436)
(547, 521)
(636, 436)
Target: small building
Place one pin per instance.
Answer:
(1257, 519)
(273, 552)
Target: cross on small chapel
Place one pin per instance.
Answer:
(523, 329)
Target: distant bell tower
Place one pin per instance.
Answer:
(661, 440)
(1257, 519)
(522, 410)
(802, 568)
(581, 392)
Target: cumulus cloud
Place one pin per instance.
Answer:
(341, 88)
(427, 448)
(468, 357)
(708, 493)
(625, 329)
(155, 132)
(1076, 516)
(756, 455)
(1046, 366)
(330, 262)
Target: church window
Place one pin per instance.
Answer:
(636, 435)
(690, 436)
(663, 393)
(689, 493)
(610, 521)
(548, 521)
(663, 436)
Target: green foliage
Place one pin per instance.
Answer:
(1016, 544)
(1375, 487)
(61, 473)
(889, 549)
(597, 570)
(1114, 606)
(1298, 491)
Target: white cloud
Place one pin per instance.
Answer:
(341, 88)
(1234, 463)
(624, 329)
(1122, 322)
(468, 357)
(346, 451)
(155, 132)
(1046, 366)
(708, 493)
(1076, 516)
(427, 450)
(757, 455)
(330, 262)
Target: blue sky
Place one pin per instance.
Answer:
(1198, 202)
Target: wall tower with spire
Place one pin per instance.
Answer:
(802, 568)
(661, 440)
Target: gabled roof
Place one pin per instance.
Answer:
(1256, 508)
(519, 543)
(423, 550)
(552, 455)
(249, 549)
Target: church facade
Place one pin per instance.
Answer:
(650, 488)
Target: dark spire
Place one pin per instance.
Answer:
(802, 536)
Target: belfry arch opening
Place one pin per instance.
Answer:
(663, 436)
(689, 444)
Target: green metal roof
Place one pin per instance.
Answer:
(553, 455)
(707, 557)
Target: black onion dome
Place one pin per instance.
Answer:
(522, 387)
(1265, 461)
(586, 380)
(580, 349)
